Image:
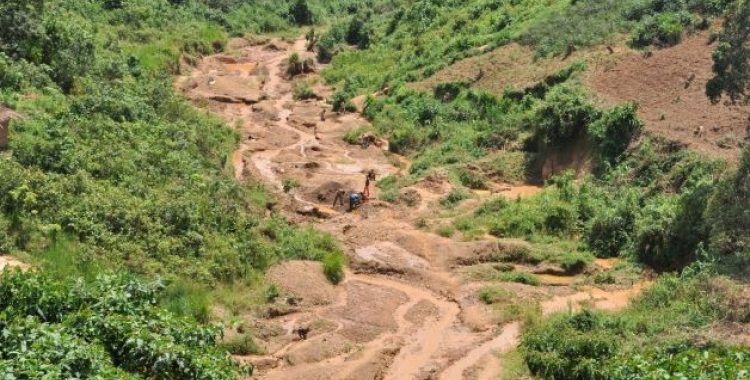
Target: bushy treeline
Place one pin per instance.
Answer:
(110, 328)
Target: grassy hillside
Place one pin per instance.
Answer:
(108, 156)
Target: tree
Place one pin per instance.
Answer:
(300, 13)
(729, 212)
(732, 57)
(21, 28)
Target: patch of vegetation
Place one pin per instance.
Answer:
(446, 231)
(289, 184)
(520, 277)
(454, 198)
(242, 344)
(333, 267)
(589, 345)
(490, 295)
(296, 65)
(157, 200)
(302, 90)
(109, 328)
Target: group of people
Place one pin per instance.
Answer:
(356, 198)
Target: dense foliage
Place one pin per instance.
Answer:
(729, 218)
(731, 64)
(107, 154)
(110, 328)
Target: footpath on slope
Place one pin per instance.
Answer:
(404, 310)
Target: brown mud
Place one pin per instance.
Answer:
(404, 311)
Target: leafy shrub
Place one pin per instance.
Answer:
(296, 65)
(242, 344)
(446, 231)
(609, 234)
(358, 33)
(272, 293)
(615, 130)
(342, 102)
(333, 267)
(472, 179)
(662, 30)
(575, 262)
(490, 295)
(354, 137)
(110, 328)
(289, 184)
(454, 198)
(302, 90)
(300, 13)
(564, 115)
(727, 213)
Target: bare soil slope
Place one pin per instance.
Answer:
(405, 310)
(669, 87)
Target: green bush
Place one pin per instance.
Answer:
(520, 277)
(727, 213)
(454, 198)
(289, 184)
(109, 328)
(490, 295)
(662, 30)
(609, 233)
(302, 90)
(564, 115)
(333, 267)
(342, 102)
(615, 130)
(242, 344)
(575, 262)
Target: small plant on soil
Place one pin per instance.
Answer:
(521, 278)
(354, 135)
(289, 184)
(490, 295)
(446, 231)
(333, 267)
(575, 262)
(296, 65)
(242, 344)
(272, 293)
(454, 198)
(302, 90)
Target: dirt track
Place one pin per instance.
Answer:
(403, 311)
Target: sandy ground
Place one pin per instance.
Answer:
(7, 262)
(404, 311)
